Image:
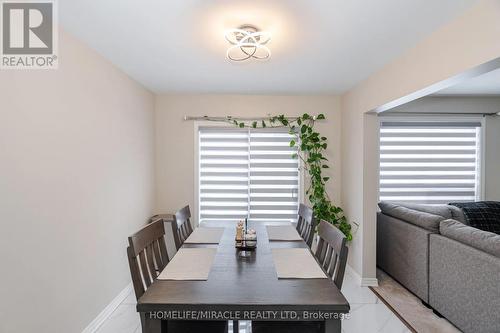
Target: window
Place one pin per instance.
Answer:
(247, 173)
(430, 162)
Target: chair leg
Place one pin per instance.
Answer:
(143, 321)
(333, 326)
(153, 325)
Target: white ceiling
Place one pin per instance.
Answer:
(318, 46)
(483, 85)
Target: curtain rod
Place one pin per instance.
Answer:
(441, 113)
(226, 118)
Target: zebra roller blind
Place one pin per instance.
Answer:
(247, 173)
(430, 162)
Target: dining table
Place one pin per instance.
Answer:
(244, 288)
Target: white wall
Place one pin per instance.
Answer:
(76, 178)
(461, 45)
(468, 104)
(175, 155)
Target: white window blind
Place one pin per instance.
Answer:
(247, 173)
(430, 162)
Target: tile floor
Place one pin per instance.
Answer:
(368, 314)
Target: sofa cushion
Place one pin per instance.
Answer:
(441, 210)
(422, 219)
(482, 240)
(458, 214)
(446, 211)
(484, 215)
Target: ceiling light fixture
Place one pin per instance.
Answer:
(247, 42)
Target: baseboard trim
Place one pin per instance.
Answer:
(369, 282)
(363, 282)
(108, 310)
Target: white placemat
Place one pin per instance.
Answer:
(296, 264)
(205, 236)
(283, 233)
(189, 264)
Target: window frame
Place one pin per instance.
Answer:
(439, 118)
(204, 123)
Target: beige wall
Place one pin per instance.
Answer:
(175, 153)
(466, 42)
(76, 173)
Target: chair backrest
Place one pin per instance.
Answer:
(164, 217)
(147, 255)
(332, 251)
(181, 226)
(306, 223)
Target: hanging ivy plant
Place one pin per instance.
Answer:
(311, 147)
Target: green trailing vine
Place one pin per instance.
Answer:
(311, 147)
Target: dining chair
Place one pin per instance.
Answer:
(164, 217)
(331, 254)
(306, 223)
(181, 226)
(147, 257)
(332, 251)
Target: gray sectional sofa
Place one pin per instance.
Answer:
(451, 266)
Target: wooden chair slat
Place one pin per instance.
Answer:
(158, 257)
(333, 264)
(306, 224)
(328, 258)
(184, 232)
(144, 269)
(151, 263)
(175, 233)
(182, 235)
(340, 270)
(163, 251)
(307, 233)
(188, 225)
(135, 272)
(319, 249)
(324, 252)
(299, 225)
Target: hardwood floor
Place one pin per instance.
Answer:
(410, 308)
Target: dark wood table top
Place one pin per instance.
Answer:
(236, 283)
